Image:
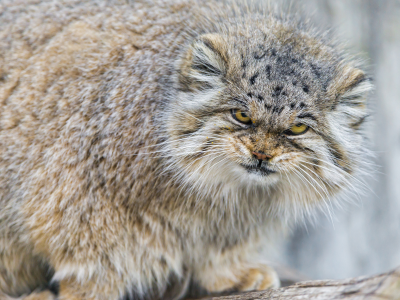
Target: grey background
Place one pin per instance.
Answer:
(364, 238)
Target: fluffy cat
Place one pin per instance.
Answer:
(148, 149)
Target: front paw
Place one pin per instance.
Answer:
(238, 279)
(259, 278)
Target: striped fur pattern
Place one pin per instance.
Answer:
(123, 174)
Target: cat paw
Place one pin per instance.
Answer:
(260, 278)
(239, 279)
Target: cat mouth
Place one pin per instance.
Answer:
(259, 169)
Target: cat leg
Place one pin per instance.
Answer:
(173, 288)
(125, 271)
(235, 270)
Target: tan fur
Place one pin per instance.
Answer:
(96, 189)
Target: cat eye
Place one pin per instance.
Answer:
(297, 129)
(241, 116)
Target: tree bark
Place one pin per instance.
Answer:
(385, 286)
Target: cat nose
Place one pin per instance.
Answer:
(261, 156)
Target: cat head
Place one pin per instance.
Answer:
(268, 107)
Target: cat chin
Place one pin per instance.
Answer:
(260, 179)
(233, 176)
(243, 177)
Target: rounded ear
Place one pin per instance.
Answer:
(204, 61)
(351, 87)
(350, 90)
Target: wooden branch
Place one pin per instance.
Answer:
(385, 286)
(381, 287)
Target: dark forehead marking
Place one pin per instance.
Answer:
(268, 106)
(259, 97)
(306, 89)
(302, 105)
(277, 91)
(261, 52)
(316, 70)
(292, 105)
(278, 110)
(268, 71)
(253, 78)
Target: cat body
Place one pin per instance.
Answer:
(128, 164)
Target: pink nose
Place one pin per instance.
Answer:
(261, 156)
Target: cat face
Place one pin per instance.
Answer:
(254, 110)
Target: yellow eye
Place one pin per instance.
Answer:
(241, 116)
(298, 129)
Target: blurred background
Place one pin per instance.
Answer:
(363, 238)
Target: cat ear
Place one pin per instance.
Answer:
(352, 87)
(351, 90)
(205, 61)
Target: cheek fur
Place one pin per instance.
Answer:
(238, 149)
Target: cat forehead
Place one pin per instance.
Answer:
(276, 81)
(275, 71)
(278, 114)
(272, 69)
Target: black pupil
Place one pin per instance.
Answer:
(243, 115)
(299, 125)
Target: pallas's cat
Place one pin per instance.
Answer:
(148, 149)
